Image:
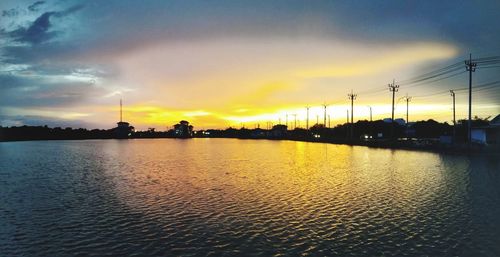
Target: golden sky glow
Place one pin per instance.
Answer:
(227, 67)
(234, 83)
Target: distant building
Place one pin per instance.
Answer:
(279, 131)
(258, 133)
(123, 130)
(487, 135)
(399, 121)
(410, 131)
(183, 129)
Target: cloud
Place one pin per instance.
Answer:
(68, 11)
(34, 7)
(29, 89)
(37, 120)
(39, 31)
(10, 13)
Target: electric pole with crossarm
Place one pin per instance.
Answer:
(471, 67)
(454, 120)
(393, 88)
(352, 97)
(324, 114)
(407, 99)
(307, 117)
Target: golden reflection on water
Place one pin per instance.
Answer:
(276, 174)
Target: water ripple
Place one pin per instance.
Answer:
(225, 197)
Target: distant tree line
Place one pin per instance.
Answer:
(46, 133)
(362, 129)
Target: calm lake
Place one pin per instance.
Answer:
(227, 197)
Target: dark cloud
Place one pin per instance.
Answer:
(33, 54)
(68, 11)
(35, 5)
(38, 32)
(10, 13)
(35, 91)
(36, 120)
(9, 82)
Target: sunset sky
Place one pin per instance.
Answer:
(228, 63)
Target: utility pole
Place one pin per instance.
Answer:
(393, 88)
(352, 97)
(347, 130)
(307, 118)
(407, 99)
(287, 121)
(121, 110)
(471, 67)
(324, 115)
(329, 125)
(317, 119)
(454, 120)
(295, 122)
(371, 124)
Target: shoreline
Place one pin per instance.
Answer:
(461, 149)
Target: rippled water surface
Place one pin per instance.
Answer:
(232, 197)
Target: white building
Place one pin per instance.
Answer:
(487, 135)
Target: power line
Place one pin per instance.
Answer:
(440, 74)
(414, 81)
(446, 72)
(434, 80)
(488, 84)
(453, 67)
(486, 88)
(488, 67)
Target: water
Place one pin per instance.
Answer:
(227, 197)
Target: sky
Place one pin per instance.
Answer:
(239, 63)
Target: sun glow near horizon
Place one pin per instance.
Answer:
(268, 95)
(204, 94)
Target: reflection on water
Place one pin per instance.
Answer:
(225, 197)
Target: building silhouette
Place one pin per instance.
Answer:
(123, 130)
(183, 129)
(487, 134)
